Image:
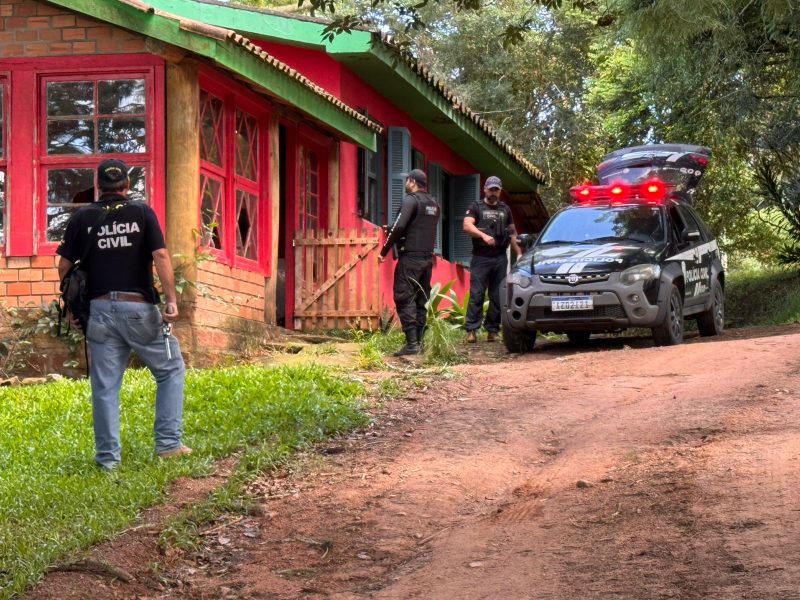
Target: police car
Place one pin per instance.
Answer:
(628, 252)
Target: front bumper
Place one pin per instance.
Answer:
(616, 306)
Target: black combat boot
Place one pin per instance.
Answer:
(412, 343)
(421, 329)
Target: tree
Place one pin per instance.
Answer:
(569, 81)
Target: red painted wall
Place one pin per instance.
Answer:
(352, 90)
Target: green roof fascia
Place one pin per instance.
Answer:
(256, 23)
(232, 57)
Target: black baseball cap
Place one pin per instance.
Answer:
(417, 175)
(111, 172)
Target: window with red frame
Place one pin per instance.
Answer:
(3, 161)
(84, 120)
(231, 179)
(310, 207)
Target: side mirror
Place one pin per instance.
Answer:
(690, 235)
(526, 240)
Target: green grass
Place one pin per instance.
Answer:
(444, 343)
(763, 297)
(54, 502)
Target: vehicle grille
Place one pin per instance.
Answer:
(538, 313)
(582, 278)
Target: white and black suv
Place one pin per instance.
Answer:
(629, 252)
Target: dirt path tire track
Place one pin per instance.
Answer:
(600, 472)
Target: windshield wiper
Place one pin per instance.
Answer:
(564, 242)
(615, 238)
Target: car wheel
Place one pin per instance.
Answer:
(670, 331)
(712, 321)
(578, 337)
(518, 341)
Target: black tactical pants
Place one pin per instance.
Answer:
(485, 272)
(412, 286)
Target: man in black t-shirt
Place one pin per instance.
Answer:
(117, 242)
(491, 226)
(414, 233)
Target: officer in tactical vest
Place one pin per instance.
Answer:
(491, 226)
(414, 237)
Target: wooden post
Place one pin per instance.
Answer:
(333, 187)
(274, 187)
(183, 182)
(183, 163)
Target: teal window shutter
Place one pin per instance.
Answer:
(466, 190)
(399, 159)
(436, 188)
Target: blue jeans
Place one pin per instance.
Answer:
(115, 329)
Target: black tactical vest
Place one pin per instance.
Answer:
(493, 221)
(421, 231)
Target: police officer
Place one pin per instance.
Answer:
(126, 243)
(491, 226)
(414, 232)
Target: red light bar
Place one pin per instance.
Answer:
(653, 191)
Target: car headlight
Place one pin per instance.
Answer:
(640, 273)
(517, 278)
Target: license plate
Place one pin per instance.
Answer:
(571, 303)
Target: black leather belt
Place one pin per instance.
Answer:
(122, 297)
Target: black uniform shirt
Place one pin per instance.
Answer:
(122, 255)
(494, 220)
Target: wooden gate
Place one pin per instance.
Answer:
(336, 279)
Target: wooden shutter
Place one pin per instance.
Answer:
(399, 160)
(435, 188)
(466, 190)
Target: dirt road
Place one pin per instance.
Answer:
(611, 470)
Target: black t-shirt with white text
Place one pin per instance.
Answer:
(121, 258)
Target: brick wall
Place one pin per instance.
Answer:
(28, 281)
(234, 297)
(32, 29)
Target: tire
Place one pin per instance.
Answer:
(518, 341)
(712, 321)
(578, 337)
(670, 331)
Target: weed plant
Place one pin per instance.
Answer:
(444, 342)
(54, 502)
(374, 346)
(389, 388)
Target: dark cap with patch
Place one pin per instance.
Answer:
(417, 175)
(111, 172)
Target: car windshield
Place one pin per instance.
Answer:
(605, 224)
(679, 178)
